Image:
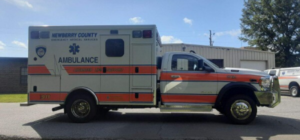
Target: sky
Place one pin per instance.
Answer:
(178, 21)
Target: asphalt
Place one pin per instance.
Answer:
(39, 122)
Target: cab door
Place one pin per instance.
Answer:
(114, 62)
(186, 83)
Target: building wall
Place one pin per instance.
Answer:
(10, 75)
(232, 56)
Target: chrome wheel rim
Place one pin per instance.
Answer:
(294, 91)
(80, 108)
(241, 109)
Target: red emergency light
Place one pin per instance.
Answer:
(147, 34)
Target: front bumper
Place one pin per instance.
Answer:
(272, 97)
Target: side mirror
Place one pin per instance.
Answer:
(209, 69)
(200, 64)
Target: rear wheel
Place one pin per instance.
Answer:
(240, 109)
(294, 91)
(221, 110)
(81, 108)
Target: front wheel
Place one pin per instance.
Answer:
(294, 90)
(81, 109)
(240, 109)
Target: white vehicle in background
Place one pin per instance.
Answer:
(289, 79)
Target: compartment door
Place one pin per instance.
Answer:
(115, 64)
(143, 74)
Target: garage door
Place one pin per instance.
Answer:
(259, 65)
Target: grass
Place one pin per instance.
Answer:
(13, 98)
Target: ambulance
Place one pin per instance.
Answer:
(87, 70)
(289, 79)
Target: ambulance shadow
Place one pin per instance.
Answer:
(117, 125)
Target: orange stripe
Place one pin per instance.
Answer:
(117, 69)
(144, 69)
(110, 69)
(284, 86)
(238, 77)
(208, 77)
(288, 77)
(189, 98)
(124, 97)
(142, 97)
(115, 97)
(36, 96)
(38, 70)
(189, 76)
(83, 69)
(63, 96)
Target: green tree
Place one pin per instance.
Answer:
(273, 25)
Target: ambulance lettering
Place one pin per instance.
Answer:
(78, 60)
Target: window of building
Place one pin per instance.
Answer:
(218, 62)
(184, 63)
(114, 47)
(23, 79)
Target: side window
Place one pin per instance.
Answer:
(184, 63)
(114, 47)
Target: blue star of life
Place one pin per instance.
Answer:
(74, 48)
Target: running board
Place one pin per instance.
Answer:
(186, 108)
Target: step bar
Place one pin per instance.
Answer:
(186, 108)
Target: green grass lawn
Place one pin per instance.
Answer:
(13, 98)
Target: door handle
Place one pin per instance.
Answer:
(175, 76)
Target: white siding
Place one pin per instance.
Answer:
(232, 56)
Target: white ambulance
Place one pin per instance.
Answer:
(289, 79)
(94, 69)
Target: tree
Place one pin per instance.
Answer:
(273, 25)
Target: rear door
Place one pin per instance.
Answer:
(115, 62)
(43, 77)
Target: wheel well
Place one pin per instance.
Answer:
(293, 84)
(237, 91)
(80, 92)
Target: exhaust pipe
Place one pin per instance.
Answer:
(57, 108)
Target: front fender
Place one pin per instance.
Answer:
(233, 85)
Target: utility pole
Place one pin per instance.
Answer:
(210, 39)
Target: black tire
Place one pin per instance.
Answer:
(294, 91)
(102, 111)
(236, 114)
(221, 110)
(81, 108)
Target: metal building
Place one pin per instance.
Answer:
(13, 75)
(227, 56)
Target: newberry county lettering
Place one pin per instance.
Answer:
(66, 35)
(78, 60)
